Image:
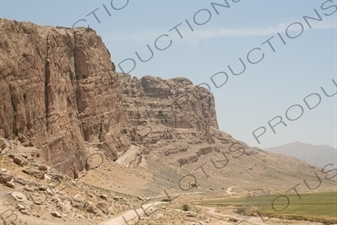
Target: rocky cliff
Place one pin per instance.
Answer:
(58, 91)
(173, 103)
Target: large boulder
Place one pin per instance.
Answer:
(5, 175)
(18, 196)
(34, 172)
(20, 161)
(103, 206)
(78, 201)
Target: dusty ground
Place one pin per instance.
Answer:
(124, 188)
(172, 213)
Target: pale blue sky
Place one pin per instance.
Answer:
(246, 102)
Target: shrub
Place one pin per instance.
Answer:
(186, 207)
(242, 210)
(246, 210)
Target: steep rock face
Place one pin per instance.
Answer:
(173, 103)
(58, 89)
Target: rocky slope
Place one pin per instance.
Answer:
(34, 193)
(176, 122)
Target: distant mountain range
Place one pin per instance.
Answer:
(319, 155)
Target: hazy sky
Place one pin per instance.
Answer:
(287, 56)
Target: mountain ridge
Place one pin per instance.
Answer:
(319, 155)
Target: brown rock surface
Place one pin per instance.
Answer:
(103, 207)
(19, 161)
(58, 89)
(34, 172)
(175, 103)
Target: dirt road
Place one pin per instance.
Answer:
(131, 215)
(251, 220)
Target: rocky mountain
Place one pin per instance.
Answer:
(60, 93)
(66, 114)
(319, 155)
(59, 90)
(180, 134)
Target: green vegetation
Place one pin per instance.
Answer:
(317, 207)
(186, 207)
(245, 210)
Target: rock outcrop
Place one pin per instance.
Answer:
(175, 103)
(59, 89)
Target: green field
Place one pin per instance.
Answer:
(320, 207)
